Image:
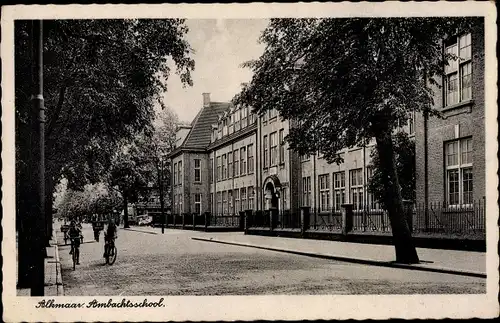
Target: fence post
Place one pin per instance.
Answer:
(273, 213)
(248, 220)
(183, 220)
(242, 220)
(408, 211)
(194, 220)
(207, 219)
(305, 215)
(347, 218)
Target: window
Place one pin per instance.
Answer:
(459, 176)
(274, 148)
(224, 128)
(224, 202)
(237, 120)
(356, 176)
(250, 158)
(197, 203)
(324, 192)
(230, 164)
(372, 203)
(266, 153)
(224, 166)
(243, 163)
(282, 146)
(458, 73)
(283, 198)
(231, 125)
(264, 117)
(230, 201)
(244, 114)
(180, 173)
(272, 114)
(306, 191)
(236, 162)
(237, 200)
(219, 170)
(219, 203)
(211, 170)
(251, 198)
(197, 170)
(175, 173)
(243, 196)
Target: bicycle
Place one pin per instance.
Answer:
(76, 251)
(110, 252)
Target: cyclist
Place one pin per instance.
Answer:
(74, 235)
(109, 235)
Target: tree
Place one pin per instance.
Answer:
(404, 152)
(348, 81)
(102, 79)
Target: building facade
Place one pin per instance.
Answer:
(230, 160)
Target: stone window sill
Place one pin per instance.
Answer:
(458, 108)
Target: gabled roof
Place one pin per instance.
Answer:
(201, 131)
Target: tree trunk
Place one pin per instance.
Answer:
(125, 211)
(405, 249)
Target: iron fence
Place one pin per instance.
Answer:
(224, 220)
(325, 220)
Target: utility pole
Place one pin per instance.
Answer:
(37, 214)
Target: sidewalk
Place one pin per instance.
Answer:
(53, 277)
(465, 263)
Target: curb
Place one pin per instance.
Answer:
(364, 261)
(150, 232)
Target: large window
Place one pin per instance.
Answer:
(457, 81)
(237, 200)
(230, 201)
(356, 177)
(459, 178)
(371, 201)
(219, 170)
(282, 146)
(197, 203)
(250, 158)
(324, 192)
(243, 197)
(306, 191)
(224, 166)
(251, 198)
(243, 161)
(197, 170)
(224, 202)
(219, 203)
(230, 164)
(237, 120)
(236, 157)
(265, 144)
(274, 148)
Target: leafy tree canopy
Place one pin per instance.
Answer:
(102, 79)
(347, 80)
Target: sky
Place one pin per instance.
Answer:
(220, 47)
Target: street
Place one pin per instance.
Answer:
(174, 264)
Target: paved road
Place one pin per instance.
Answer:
(174, 264)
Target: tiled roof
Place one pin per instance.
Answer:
(200, 134)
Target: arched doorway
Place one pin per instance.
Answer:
(272, 188)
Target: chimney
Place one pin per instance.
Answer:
(206, 100)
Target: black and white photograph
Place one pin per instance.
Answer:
(259, 161)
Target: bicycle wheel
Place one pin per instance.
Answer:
(112, 257)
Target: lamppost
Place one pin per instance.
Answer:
(161, 173)
(37, 159)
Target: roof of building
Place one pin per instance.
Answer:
(201, 131)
